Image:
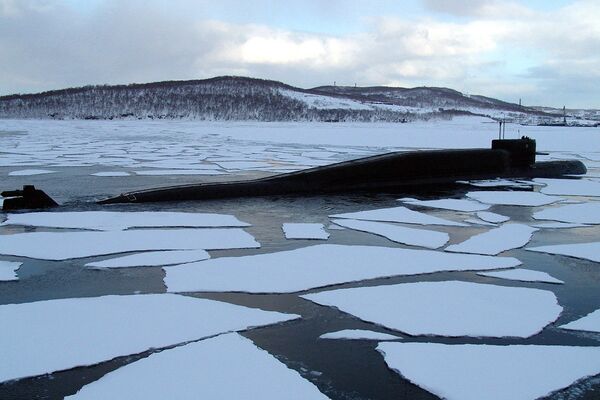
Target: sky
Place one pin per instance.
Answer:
(545, 52)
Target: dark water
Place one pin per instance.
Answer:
(342, 369)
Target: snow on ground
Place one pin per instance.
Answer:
(397, 233)
(224, 367)
(111, 220)
(587, 251)
(111, 173)
(152, 259)
(586, 213)
(448, 204)
(518, 198)
(325, 102)
(317, 266)
(359, 334)
(450, 308)
(569, 187)
(521, 274)
(54, 335)
(590, 323)
(497, 240)
(398, 214)
(66, 245)
(30, 172)
(8, 270)
(492, 217)
(304, 231)
(475, 372)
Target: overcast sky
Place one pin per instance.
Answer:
(546, 52)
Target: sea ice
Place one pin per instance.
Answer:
(590, 323)
(54, 335)
(304, 231)
(113, 220)
(396, 233)
(475, 221)
(492, 217)
(517, 198)
(111, 173)
(161, 172)
(398, 214)
(230, 165)
(448, 204)
(8, 270)
(497, 240)
(521, 274)
(30, 172)
(586, 213)
(557, 225)
(317, 266)
(450, 308)
(499, 183)
(475, 372)
(359, 334)
(65, 245)
(588, 251)
(570, 187)
(152, 259)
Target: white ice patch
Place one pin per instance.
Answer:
(8, 270)
(110, 173)
(66, 245)
(517, 198)
(587, 213)
(304, 231)
(492, 217)
(152, 259)
(587, 251)
(475, 372)
(557, 225)
(499, 183)
(570, 187)
(244, 164)
(161, 172)
(112, 220)
(590, 323)
(224, 367)
(396, 233)
(497, 240)
(317, 266)
(30, 172)
(398, 214)
(523, 275)
(54, 335)
(359, 334)
(449, 308)
(448, 204)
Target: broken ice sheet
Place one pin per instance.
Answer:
(66, 245)
(497, 240)
(161, 172)
(359, 334)
(448, 204)
(492, 217)
(54, 335)
(111, 173)
(588, 251)
(317, 266)
(152, 259)
(8, 270)
(499, 183)
(396, 233)
(475, 372)
(398, 214)
(228, 366)
(113, 220)
(517, 198)
(30, 172)
(570, 187)
(590, 323)
(586, 213)
(304, 231)
(450, 308)
(521, 274)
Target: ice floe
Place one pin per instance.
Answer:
(398, 214)
(224, 367)
(304, 231)
(516, 198)
(359, 334)
(476, 221)
(557, 225)
(586, 213)
(30, 172)
(317, 266)
(448, 204)
(161, 172)
(111, 173)
(54, 335)
(492, 217)
(475, 372)
(396, 233)
(8, 270)
(590, 323)
(569, 187)
(113, 220)
(152, 259)
(587, 251)
(497, 240)
(450, 308)
(521, 274)
(499, 183)
(65, 245)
